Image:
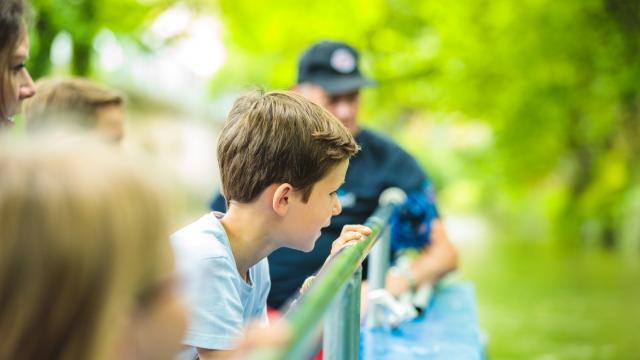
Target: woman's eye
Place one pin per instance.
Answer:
(18, 67)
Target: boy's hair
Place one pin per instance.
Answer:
(83, 243)
(279, 137)
(67, 101)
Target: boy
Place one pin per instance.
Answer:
(282, 159)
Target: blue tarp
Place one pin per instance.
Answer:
(447, 329)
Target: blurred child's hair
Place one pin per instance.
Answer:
(68, 102)
(279, 137)
(83, 243)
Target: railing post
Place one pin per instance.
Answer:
(378, 266)
(341, 339)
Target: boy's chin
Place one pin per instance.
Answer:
(307, 249)
(309, 246)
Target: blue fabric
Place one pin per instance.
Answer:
(218, 203)
(411, 221)
(221, 301)
(447, 329)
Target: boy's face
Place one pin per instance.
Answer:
(157, 327)
(306, 220)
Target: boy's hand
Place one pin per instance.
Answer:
(349, 234)
(307, 284)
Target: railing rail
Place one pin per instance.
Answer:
(336, 292)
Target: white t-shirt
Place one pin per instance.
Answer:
(221, 302)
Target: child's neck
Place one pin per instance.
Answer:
(249, 235)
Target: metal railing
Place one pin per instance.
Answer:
(335, 294)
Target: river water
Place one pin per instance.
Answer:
(539, 301)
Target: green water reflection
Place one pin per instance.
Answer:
(540, 302)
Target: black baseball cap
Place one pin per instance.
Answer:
(333, 66)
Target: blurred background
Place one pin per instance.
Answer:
(525, 114)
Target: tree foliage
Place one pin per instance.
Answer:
(83, 19)
(558, 82)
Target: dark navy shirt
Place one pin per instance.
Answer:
(379, 165)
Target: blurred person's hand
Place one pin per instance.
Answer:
(397, 284)
(257, 336)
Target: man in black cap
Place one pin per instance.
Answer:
(328, 74)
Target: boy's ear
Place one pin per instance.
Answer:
(282, 198)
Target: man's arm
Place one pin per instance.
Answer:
(435, 260)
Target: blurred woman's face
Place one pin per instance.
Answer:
(160, 329)
(156, 327)
(18, 84)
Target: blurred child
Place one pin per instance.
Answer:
(86, 271)
(77, 103)
(282, 159)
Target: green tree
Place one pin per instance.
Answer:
(83, 19)
(558, 82)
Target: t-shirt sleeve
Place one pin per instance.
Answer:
(216, 309)
(264, 293)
